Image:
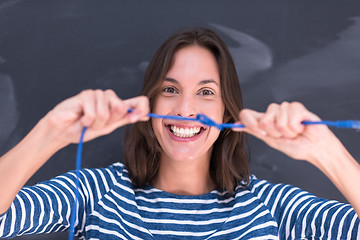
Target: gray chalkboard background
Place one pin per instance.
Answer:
(303, 50)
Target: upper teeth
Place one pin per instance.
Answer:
(185, 132)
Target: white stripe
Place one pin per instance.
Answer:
(238, 228)
(13, 213)
(65, 182)
(58, 201)
(324, 219)
(299, 212)
(41, 217)
(182, 234)
(123, 210)
(261, 182)
(102, 176)
(289, 210)
(183, 201)
(333, 220)
(89, 195)
(274, 206)
(259, 226)
(246, 203)
(270, 195)
(313, 225)
(246, 214)
(263, 188)
(287, 206)
(92, 174)
(169, 210)
(32, 213)
(23, 213)
(51, 209)
(208, 211)
(123, 187)
(105, 231)
(112, 177)
(287, 194)
(341, 224)
(2, 223)
(243, 225)
(122, 198)
(206, 222)
(355, 218)
(268, 237)
(304, 223)
(152, 190)
(183, 222)
(134, 226)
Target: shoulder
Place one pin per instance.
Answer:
(261, 186)
(277, 194)
(113, 174)
(92, 180)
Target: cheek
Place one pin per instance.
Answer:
(215, 112)
(155, 123)
(160, 105)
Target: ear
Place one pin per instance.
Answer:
(227, 116)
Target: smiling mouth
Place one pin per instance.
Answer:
(185, 132)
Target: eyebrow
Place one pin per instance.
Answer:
(203, 82)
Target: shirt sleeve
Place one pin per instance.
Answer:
(301, 215)
(46, 207)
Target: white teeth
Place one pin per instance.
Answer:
(184, 132)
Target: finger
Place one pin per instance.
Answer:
(140, 108)
(267, 122)
(102, 109)
(282, 121)
(298, 113)
(250, 119)
(87, 104)
(118, 109)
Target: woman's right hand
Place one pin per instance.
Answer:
(102, 111)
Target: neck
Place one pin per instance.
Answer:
(184, 178)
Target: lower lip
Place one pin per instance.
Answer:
(180, 139)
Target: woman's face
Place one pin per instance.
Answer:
(191, 86)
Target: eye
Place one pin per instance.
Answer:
(170, 90)
(206, 92)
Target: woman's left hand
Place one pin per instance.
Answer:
(281, 128)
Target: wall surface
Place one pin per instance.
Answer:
(303, 50)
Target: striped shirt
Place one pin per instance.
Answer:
(110, 207)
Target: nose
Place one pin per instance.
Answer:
(186, 107)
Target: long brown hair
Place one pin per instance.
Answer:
(229, 162)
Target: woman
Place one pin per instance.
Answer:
(180, 179)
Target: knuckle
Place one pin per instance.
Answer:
(89, 117)
(284, 104)
(297, 105)
(282, 128)
(86, 93)
(99, 92)
(110, 92)
(264, 123)
(243, 113)
(53, 119)
(103, 115)
(144, 99)
(272, 106)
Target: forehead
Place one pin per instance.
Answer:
(194, 62)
